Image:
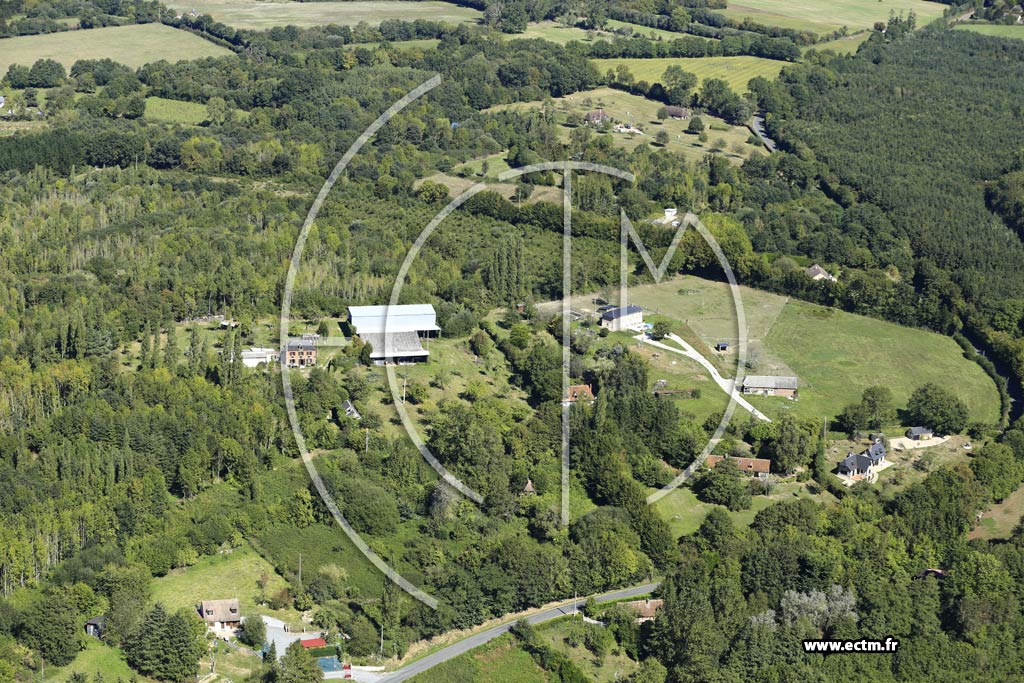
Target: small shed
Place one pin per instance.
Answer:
(311, 643)
(677, 112)
(721, 346)
(94, 627)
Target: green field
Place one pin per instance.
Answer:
(500, 661)
(130, 45)
(97, 657)
(645, 31)
(836, 355)
(175, 111)
(822, 16)
(614, 666)
(1000, 520)
(233, 574)
(841, 46)
(684, 513)
(642, 113)
(736, 71)
(555, 32)
(262, 15)
(997, 30)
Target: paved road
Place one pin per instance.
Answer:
(727, 385)
(474, 641)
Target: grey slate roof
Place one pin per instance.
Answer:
(621, 312)
(918, 431)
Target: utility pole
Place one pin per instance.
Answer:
(366, 449)
(382, 641)
(300, 570)
(405, 382)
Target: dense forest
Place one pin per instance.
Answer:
(133, 442)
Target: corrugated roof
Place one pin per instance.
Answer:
(770, 382)
(398, 318)
(394, 344)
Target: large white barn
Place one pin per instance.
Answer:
(394, 332)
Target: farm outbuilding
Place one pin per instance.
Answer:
(920, 433)
(394, 332)
(767, 385)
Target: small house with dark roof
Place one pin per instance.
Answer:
(623, 318)
(677, 112)
(817, 273)
(863, 464)
(919, 433)
(721, 346)
(596, 116)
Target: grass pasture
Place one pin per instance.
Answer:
(175, 111)
(229, 575)
(684, 513)
(736, 71)
(500, 661)
(263, 15)
(997, 30)
(96, 658)
(822, 16)
(836, 355)
(1001, 519)
(841, 46)
(129, 45)
(614, 666)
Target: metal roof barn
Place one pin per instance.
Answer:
(398, 318)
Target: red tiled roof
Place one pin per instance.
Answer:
(580, 392)
(313, 642)
(756, 465)
(647, 609)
